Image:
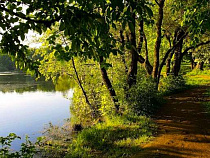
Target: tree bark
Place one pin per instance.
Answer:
(134, 55)
(200, 65)
(165, 58)
(147, 64)
(123, 49)
(177, 51)
(189, 48)
(141, 32)
(192, 61)
(168, 64)
(158, 40)
(109, 86)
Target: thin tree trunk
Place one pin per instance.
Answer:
(168, 63)
(134, 56)
(141, 32)
(166, 56)
(158, 40)
(109, 86)
(123, 49)
(192, 61)
(147, 64)
(82, 88)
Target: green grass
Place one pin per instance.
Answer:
(116, 137)
(198, 77)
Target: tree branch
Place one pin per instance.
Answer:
(80, 83)
(24, 17)
(157, 2)
(166, 56)
(193, 47)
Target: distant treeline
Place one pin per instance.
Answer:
(6, 64)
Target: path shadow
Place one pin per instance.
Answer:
(184, 127)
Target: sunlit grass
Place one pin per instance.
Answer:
(117, 137)
(198, 77)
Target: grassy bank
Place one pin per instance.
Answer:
(118, 136)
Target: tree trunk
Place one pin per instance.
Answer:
(200, 65)
(158, 40)
(123, 49)
(141, 32)
(192, 61)
(109, 86)
(168, 64)
(134, 55)
(177, 51)
(147, 64)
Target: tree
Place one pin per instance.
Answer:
(84, 24)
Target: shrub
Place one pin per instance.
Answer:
(172, 84)
(143, 98)
(27, 149)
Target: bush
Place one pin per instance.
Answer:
(27, 149)
(171, 84)
(143, 98)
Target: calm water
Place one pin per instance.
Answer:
(26, 106)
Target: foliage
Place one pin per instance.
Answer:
(87, 33)
(143, 98)
(172, 84)
(27, 149)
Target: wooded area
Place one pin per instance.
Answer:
(121, 56)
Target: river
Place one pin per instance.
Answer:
(27, 106)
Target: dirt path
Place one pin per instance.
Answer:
(184, 128)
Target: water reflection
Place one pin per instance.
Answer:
(20, 83)
(26, 105)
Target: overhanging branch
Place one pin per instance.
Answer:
(24, 17)
(196, 46)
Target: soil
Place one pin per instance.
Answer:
(183, 128)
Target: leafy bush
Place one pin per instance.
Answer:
(143, 98)
(172, 84)
(27, 149)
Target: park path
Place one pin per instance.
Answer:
(183, 128)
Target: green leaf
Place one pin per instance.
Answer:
(67, 48)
